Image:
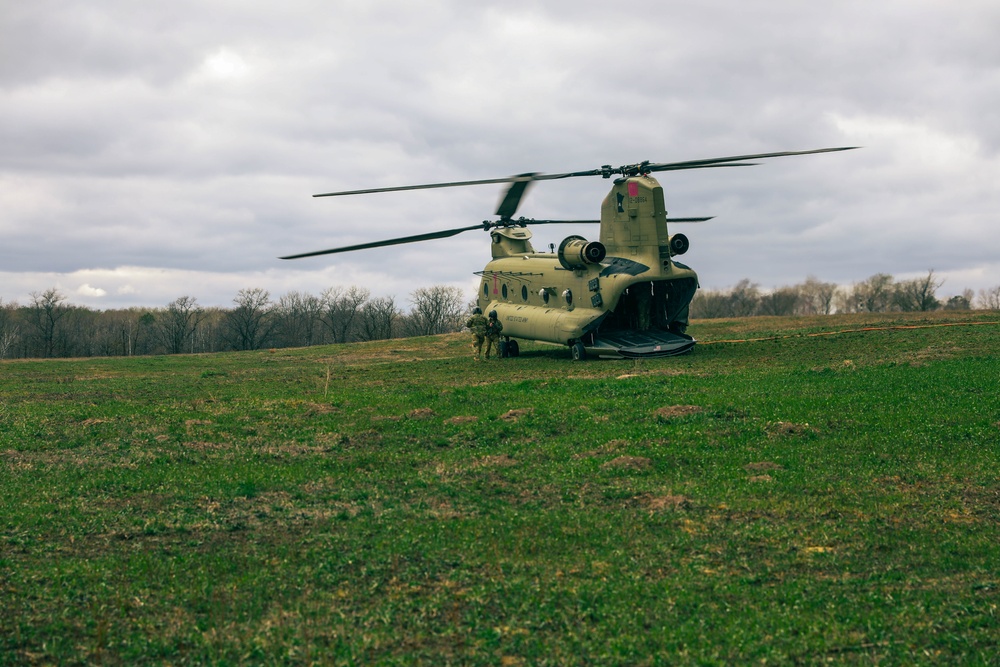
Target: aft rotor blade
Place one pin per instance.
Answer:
(605, 171)
(378, 244)
(722, 161)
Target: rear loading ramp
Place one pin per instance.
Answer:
(633, 344)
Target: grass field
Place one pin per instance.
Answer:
(796, 498)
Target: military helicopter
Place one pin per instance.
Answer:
(623, 296)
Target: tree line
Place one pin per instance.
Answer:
(50, 326)
(877, 294)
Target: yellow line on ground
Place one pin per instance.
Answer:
(845, 331)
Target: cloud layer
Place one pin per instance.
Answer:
(154, 151)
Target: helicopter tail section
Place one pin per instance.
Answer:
(648, 320)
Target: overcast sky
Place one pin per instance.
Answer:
(157, 150)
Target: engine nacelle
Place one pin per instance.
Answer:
(575, 252)
(678, 244)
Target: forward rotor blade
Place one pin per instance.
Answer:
(529, 221)
(532, 221)
(378, 244)
(512, 198)
(427, 186)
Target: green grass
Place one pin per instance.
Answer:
(795, 499)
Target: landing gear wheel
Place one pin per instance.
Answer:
(513, 349)
(503, 349)
(579, 351)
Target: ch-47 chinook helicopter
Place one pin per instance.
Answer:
(622, 296)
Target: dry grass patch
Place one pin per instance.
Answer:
(369, 438)
(673, 411)
(760, 478)
(514, 415)
(776, 429)
(494, 461)
(629, 463)
(763, 465)
(610, 447)
(667, 502)
(463, 419)
(312, 409)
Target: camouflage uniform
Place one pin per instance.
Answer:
(493, 329)
(478, 325)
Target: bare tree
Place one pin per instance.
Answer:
(745, 298)
(298, 318)
(781, 301)
(917, 294)
(45, 312)
(710, 304)
(873, 295)
(816, 297)
(436, 310)
(377, 318)
(178, 323)
(9, 329)
(250, 324)
(961, 301)
(989, 299)
(341, 311)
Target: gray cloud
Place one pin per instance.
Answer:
(159, 150)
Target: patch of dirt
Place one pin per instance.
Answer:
(204, 446)
(668, 502)
(776, 429)
(818, 550)
(760, 478)
(494, 461)
(668, 372)
(484, 463)
(421, 413)
(928, 354)
(514, 415)
(387, 418)
(629, 463)
(462, 420)
(319, 409)
(673, 411)
(763, 465)
(361, 439)
(610, 447)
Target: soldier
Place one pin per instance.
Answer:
(493, 329)
(478, 325)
